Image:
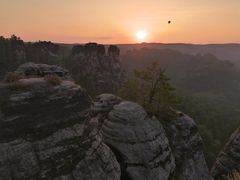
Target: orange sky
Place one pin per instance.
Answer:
(117, 21)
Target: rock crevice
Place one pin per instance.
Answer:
(56, 132)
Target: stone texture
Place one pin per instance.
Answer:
(41, 70)
(113, 50)
(55, 131)
(96, 69)
(46, 133)
(47, 47)
(186, 145)
(104, 103)
(228, 161)
(138, 141)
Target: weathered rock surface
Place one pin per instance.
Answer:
(139, 142)
(45, 133)
(47, 47)
(96, 69)
(228, 161)
(141, 146)
(104, 103)
(55, 131)
(41, 70)
(186, 145)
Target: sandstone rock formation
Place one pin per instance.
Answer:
(45, 133)
(186, 145)
(47, 47)
(95, 69)
(141, 146)
(41, 70)
(139, 142)
(55, 131)
(113, 50)
(228, 161)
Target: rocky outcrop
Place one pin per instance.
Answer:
(89, 49)
(47, 47)
(46, 133)
(139, 142)
(186, 145)
(113, 50)
(54, 131)
(141, 146)
(228, 161)
(95, 69)
(41, 70)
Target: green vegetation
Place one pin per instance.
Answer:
(12, 77)
(151, 89)
(13, 52)
(208, 87)
(53, 79)
(217, 118)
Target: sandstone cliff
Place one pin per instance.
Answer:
(45, 132)
(96, 69)
(228, 161)
(143, 148)
(56, 131)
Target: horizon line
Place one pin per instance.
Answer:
(131, 43)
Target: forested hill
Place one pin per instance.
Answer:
(208, 86)
(190, 73)
(230, 52)
(209, 89)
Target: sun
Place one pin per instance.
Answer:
(141, 35)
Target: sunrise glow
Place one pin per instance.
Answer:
(141, 35)
(83, 21)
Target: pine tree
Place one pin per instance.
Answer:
(151, 88)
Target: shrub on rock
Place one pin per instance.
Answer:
(12, 77)
(53, 79)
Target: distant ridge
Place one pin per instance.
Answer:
(229, 51)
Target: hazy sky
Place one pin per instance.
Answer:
(117, 21)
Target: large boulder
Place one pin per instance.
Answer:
(186, 144)
(46, 133)
(142, 147)
(137, 140)
(41, 70)
(228, 161)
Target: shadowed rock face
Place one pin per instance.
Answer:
(36, 108)
(104, 103)
(113, 50)
(228, 161)
(96, 69)
(45, 133)
(141, 146)
(186, 145)
(50, 131)
(139, 141)
(41, 70)
(94, 49)
(47, 46)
